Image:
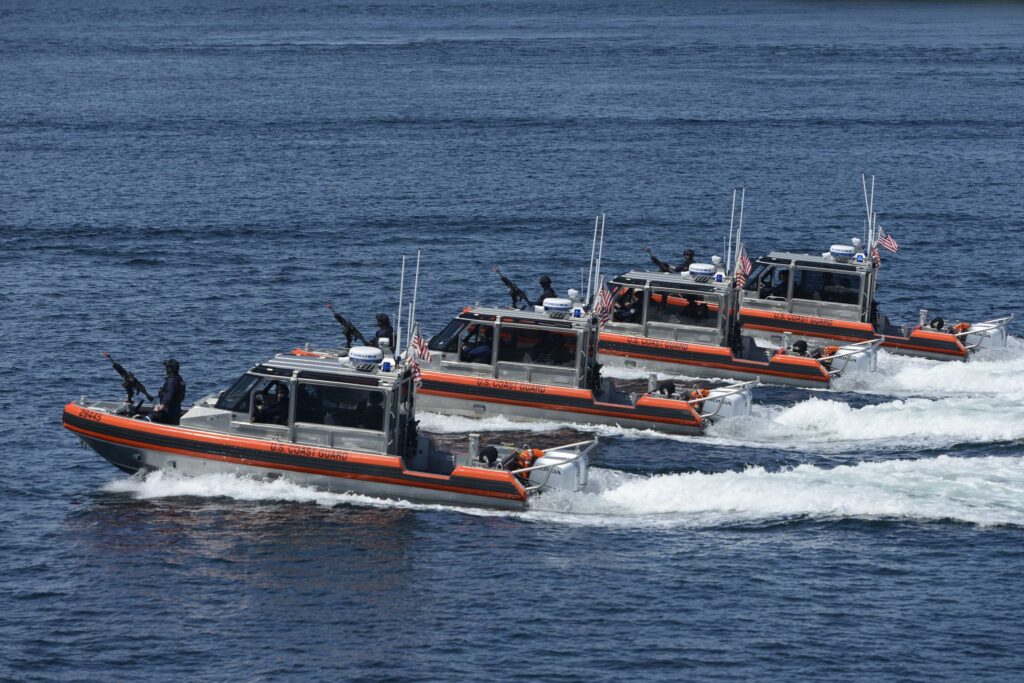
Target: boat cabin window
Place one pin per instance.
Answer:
(537, 346)
(477, 343)
(628, 305)
(339, 406)
(771, 283)
(682, 309)
(271, 402)
(447, 340)
(816, 285)
(236, 399)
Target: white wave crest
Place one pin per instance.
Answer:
(985, 491)
(821, 424)
(996, 371)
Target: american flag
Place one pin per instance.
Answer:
(888, 241)
(414, 366)
(604, 305)
(419, 345)
(743, 267)
(876, 258)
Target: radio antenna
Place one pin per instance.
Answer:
(401, 292)
(415, 291)
(593, 250)
(728, 250)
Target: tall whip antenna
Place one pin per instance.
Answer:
(401, 293)
(415, 291)
(739, 230)
(600, 255)
(593, 250)
(728, 250)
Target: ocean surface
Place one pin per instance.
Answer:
(197, 179)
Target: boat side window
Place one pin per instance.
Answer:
(840, 288)
(340, 406)
(537, 346)
(774, 283)
(477, 343)
(628, 305)
(682, 309)
(755, 277)
(447, 340)
(236, 399)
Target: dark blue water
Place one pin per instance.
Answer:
(196, 180)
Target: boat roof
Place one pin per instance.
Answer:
(680, 281)
(824, 261)
(329, 366)
(527, 317)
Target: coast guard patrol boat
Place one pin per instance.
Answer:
(685, 323)
(829, 298)
(542, 364)
(345, 423)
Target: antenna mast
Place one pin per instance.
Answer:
(728, 250)
(401, 293)
(415, 291)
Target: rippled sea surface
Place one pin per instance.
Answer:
(197, 179)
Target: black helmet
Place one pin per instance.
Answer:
(171, 365)
(383, 320)
(688, 252)
(800, 346)
(545, 281)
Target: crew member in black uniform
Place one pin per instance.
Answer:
(548, 292)
(168, 402)
(384, 331)
(688, 257)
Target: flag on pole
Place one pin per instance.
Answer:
(876, 258)
(417, 351)
(743, 267)
(419, 345)
(604, 305)
(887, 241)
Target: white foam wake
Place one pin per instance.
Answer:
(992, 372)
(821, 424)
(984, 491)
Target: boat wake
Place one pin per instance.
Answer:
(995, 371)
(987, 491)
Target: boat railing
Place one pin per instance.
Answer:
(737, 388)
(986, 326)
(854, 349)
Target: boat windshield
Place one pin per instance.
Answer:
(447, 339)
(236, 399)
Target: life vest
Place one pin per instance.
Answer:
(960, 328)
(526, 458)
(829, 350)
(699, 393)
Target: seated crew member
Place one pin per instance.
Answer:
(275, 406)
(781, 289)
(372, 414)
(547, 291)
(384, 331)
(629, 308)
(479, 350)
(168, 402)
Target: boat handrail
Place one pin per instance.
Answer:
(868, 345)
(993, 324)
(735, 389)
(579, 454)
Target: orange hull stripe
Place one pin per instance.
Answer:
(721, 366)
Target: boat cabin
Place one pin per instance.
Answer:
(837, 284)
(540, 347)
(318, 400)
(684, 307)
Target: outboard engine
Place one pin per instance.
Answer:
(723, 402)
(702, 272)
(365, 358)
(566, 474)
(862, 361)
(986, 336)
